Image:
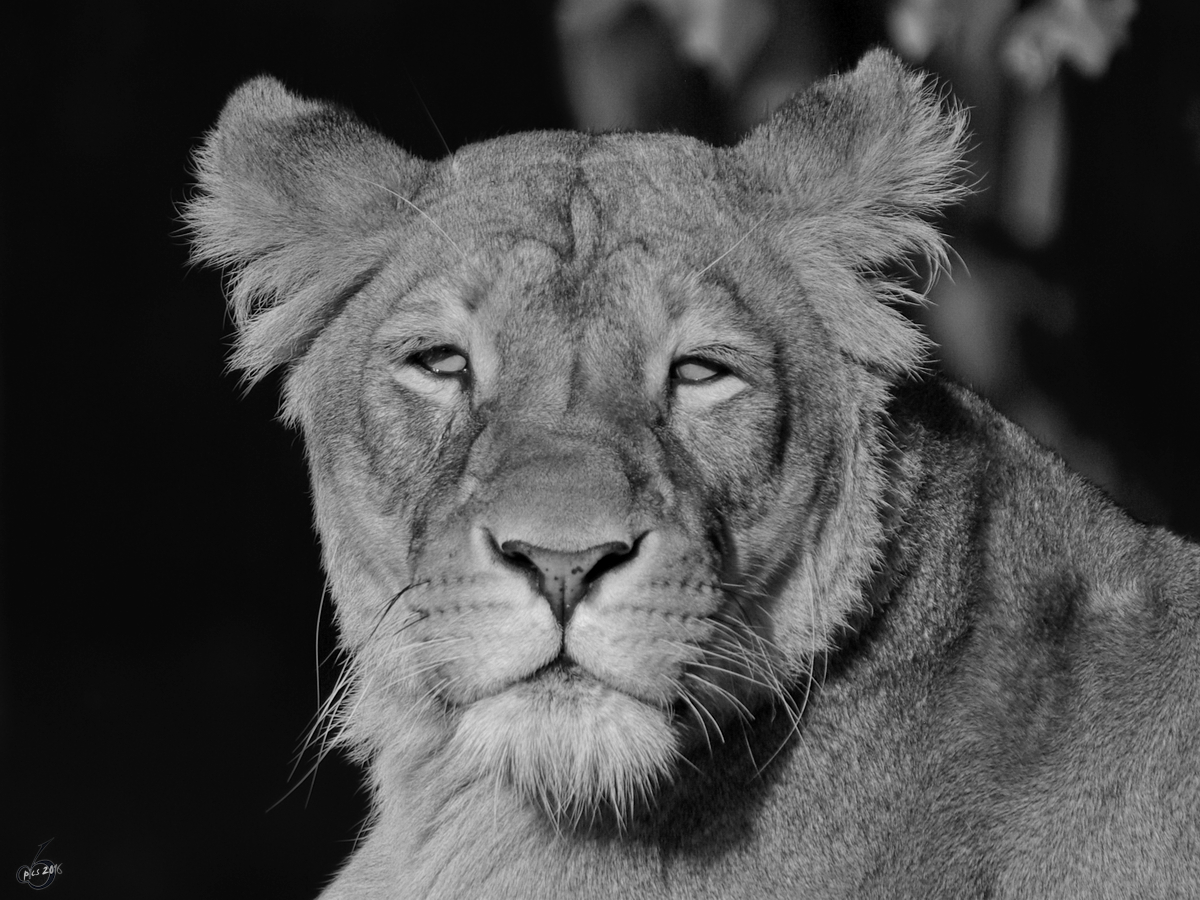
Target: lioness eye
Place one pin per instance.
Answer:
(697, 371)
(444, 360)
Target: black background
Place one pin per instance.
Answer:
(160, 576)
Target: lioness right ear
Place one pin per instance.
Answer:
(294, 199)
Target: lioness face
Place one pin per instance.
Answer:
(548, 440)
(593, 421)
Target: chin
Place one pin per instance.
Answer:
(570, 744)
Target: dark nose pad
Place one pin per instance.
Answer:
(564, 577)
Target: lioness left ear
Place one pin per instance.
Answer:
(294, 199)
(855, 166)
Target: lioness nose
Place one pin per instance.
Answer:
(564, 577)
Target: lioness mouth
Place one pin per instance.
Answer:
(563, 669)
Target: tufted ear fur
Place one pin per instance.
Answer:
(294, 196)
(856, 164)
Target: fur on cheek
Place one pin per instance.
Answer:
(594, 751)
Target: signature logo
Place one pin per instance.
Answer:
(41, 872)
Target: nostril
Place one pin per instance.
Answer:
(563, 577)
(520, 554)
(613, 554)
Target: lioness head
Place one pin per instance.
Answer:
(593, 421)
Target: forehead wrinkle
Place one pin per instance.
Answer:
(585, 224)
(497, 202)
(665, 191)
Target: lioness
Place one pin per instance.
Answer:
(662, 567)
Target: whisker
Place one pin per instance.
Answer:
(699, 712)
(388, 608)
(428, 218)
(739, 707)
(753, 228)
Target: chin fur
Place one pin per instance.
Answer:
(577, 750)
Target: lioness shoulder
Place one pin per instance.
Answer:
(661, 568)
